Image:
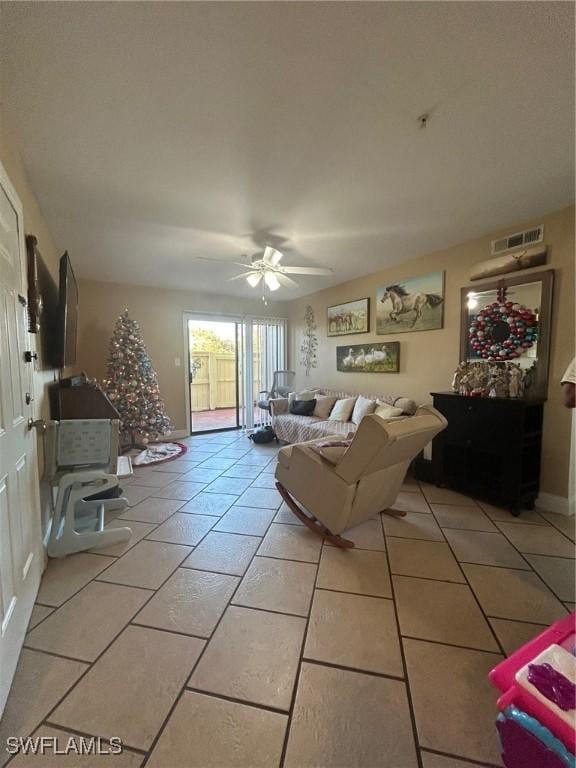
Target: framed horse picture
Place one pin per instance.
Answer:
(416, 304)
(352, 317)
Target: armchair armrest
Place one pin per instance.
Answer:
(278, 405)
(304, 459)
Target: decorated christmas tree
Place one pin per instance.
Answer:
(132, 386)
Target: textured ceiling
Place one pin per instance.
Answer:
(156, 132)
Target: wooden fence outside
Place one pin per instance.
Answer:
(214, 382)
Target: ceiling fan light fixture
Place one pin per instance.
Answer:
(253, 279)
(271, 281)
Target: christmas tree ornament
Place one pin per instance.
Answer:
(136, 397)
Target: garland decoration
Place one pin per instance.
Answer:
(503, 330)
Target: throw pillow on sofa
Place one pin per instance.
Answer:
(362, 407)
(302, 407)
(324, 405)
(342, 409)
(386, 411)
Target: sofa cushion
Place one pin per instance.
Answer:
(297, 419)
(337, 428)
(324, 405)
(342, 409)
(408, 406)
(296, 429)
(386, 411)
(362, 407)
(302, 407)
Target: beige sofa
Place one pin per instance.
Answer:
(341, 493)
(290, 428)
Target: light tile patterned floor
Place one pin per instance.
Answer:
(225, 634)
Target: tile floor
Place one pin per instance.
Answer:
(226, 634)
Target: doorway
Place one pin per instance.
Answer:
(21, 558)
(214, 374)
(230, 365)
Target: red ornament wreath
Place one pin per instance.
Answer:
(503, 330)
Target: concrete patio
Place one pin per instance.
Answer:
(219, 418)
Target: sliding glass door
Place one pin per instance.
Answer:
(230, 362)
(213, 368)
(268, 355)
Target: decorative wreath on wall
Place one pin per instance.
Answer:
(503, 330)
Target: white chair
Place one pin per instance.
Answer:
(282, 384)
(81, 461)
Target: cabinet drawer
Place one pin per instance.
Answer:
(491, 426)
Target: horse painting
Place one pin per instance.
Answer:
(417, 309)
(353, 317)
(347, 322)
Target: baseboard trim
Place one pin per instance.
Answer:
(178, 434)
(549, 502)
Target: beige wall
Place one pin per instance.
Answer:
(428, 358)
(159, 312)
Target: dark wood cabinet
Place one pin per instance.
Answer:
(78, 398)
(491, 448)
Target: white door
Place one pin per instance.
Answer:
(20, 535)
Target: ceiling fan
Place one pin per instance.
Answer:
(265, 269)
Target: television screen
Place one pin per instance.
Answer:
(43, 305)
(67, 314)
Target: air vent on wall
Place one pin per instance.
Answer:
(528, 237)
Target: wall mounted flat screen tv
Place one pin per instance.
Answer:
(43, 303)
(67, 322)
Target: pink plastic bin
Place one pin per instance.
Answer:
(563, 633)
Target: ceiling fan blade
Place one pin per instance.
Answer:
(272, 256)
(285, 280)
(306, 271)
(253, 279)
(243, 274)
(222, 261)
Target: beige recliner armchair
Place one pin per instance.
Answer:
(363, 482)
